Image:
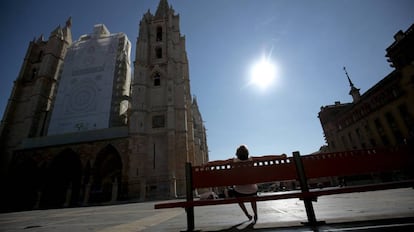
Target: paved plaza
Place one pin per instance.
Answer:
(391, 210)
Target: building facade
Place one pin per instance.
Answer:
(78, 131)
(384, 115)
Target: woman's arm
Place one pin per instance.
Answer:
(219, 162)
(268, 157)
(251, 158)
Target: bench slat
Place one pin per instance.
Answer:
(288, 195)
(363, 188)
(356, 162)
(247, 172)
(185, 204)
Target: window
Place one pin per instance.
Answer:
(153, 157)
(358, 133)
(158, 53)
(394, 128)
(34, 74)
(157, 79)
(158, 121)
(405, 115)
(381, 132)
(333, 144)
(159, 34)
(39, 57)
(344, 142)
(373, 142)
(378, 125)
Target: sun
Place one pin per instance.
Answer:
(263, 73)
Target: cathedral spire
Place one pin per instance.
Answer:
(354, 92)
(67, 33)
(40, 39)
(162, 9)
(57, 32)
(69, 22)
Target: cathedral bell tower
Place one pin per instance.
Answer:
(161, 126)
(28, 108)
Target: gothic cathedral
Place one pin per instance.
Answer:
(79, 130)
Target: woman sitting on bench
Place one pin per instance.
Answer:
(248, 190)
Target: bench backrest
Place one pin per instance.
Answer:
(357, 162)
(282, 168)
(227, 173)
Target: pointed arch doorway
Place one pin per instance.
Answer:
(106, 176)
(20, 192)
(63, 181)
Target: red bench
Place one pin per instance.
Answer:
(301, 168)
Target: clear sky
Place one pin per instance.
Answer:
(309, 42)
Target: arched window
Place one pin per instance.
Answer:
(159, 34)
(157, 79)
(39, 57)
(158, 121)
(158, 53)
(34, 74)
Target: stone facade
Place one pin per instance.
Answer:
(154, 124)
(162, 114)
(33, 92)
(384, 115)
(69, 175)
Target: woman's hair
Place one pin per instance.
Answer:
(242, 152)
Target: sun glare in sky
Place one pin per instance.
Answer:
(263, 73)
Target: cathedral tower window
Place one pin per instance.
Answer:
(34, 73)
(158, 53)
(157, 79)
(159, 34)
(39, 57)
(158, 121)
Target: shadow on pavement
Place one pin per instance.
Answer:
(243, 226)
(381, 225)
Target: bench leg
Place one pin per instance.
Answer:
(190, 218)
(310, 212)
(190, 198)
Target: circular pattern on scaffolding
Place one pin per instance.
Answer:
(82, 97)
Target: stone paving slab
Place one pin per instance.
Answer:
(282, 215)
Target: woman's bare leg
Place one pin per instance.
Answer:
(243, 207)
(254, 207)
